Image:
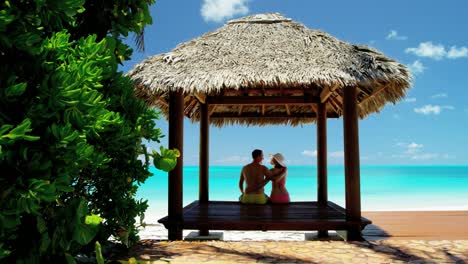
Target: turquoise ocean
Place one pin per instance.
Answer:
(383, 188)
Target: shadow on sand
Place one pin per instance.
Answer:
(158, 250)
(374, 249)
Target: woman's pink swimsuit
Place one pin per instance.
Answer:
(282, 197)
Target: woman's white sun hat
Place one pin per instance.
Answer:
(280, 159)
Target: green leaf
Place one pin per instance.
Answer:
(47, 193)
(72, 93)
(99, 257)
(81, 210)
(45, 242)
(69, 258)
(41, 225)
(63, 183)
(167, 160)
(84, 232)
(93, 220)
(30, 138)
(64, 188)
(5, 128)
(123, 233)
(19, 132)
(4, 252)
(24, 152)
(27, 40)
(16, 90)
(9, 221)
(5, 18)
(60, 238)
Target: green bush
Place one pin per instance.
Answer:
(71, 129)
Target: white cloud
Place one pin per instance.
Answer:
(369, 157)
(438, 51)
(455, 53)
(413, 145)
(428, 109)
(336, 154)
(410, 148)
(439, 95)
(432, 109)
(427, 49)
(393, 34)
(233, 160)
(413, 148)
(410, 100)
(219, 10)
(428, 156)
(416, 67)
(312, 153)
(425, 156)
(415, 151)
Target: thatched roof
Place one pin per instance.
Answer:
(270, 55)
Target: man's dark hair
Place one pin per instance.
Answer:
(256, 153)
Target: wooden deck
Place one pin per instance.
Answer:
(423, 225)
(219, 215)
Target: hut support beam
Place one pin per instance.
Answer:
(261, 100)
(327, 92)
(351, 160)
(255, 115)
(204, 159)
(175, 195)
(322, 194)
(373, 95)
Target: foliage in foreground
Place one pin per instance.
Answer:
(71, 130)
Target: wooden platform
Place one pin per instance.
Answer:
(219, 215)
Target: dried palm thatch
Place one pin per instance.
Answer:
(270, 55)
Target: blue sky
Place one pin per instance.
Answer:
(428, 127)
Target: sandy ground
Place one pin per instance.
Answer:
(394, 237)
(380, 251)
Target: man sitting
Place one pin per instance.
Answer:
(255, 175)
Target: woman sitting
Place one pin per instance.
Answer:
(279, 193)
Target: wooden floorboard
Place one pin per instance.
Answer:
(294, 216)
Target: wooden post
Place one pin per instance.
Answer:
(322, 194)
(203, 191)
(351, 159)
(176, 140)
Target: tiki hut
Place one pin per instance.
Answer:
(261, 70)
